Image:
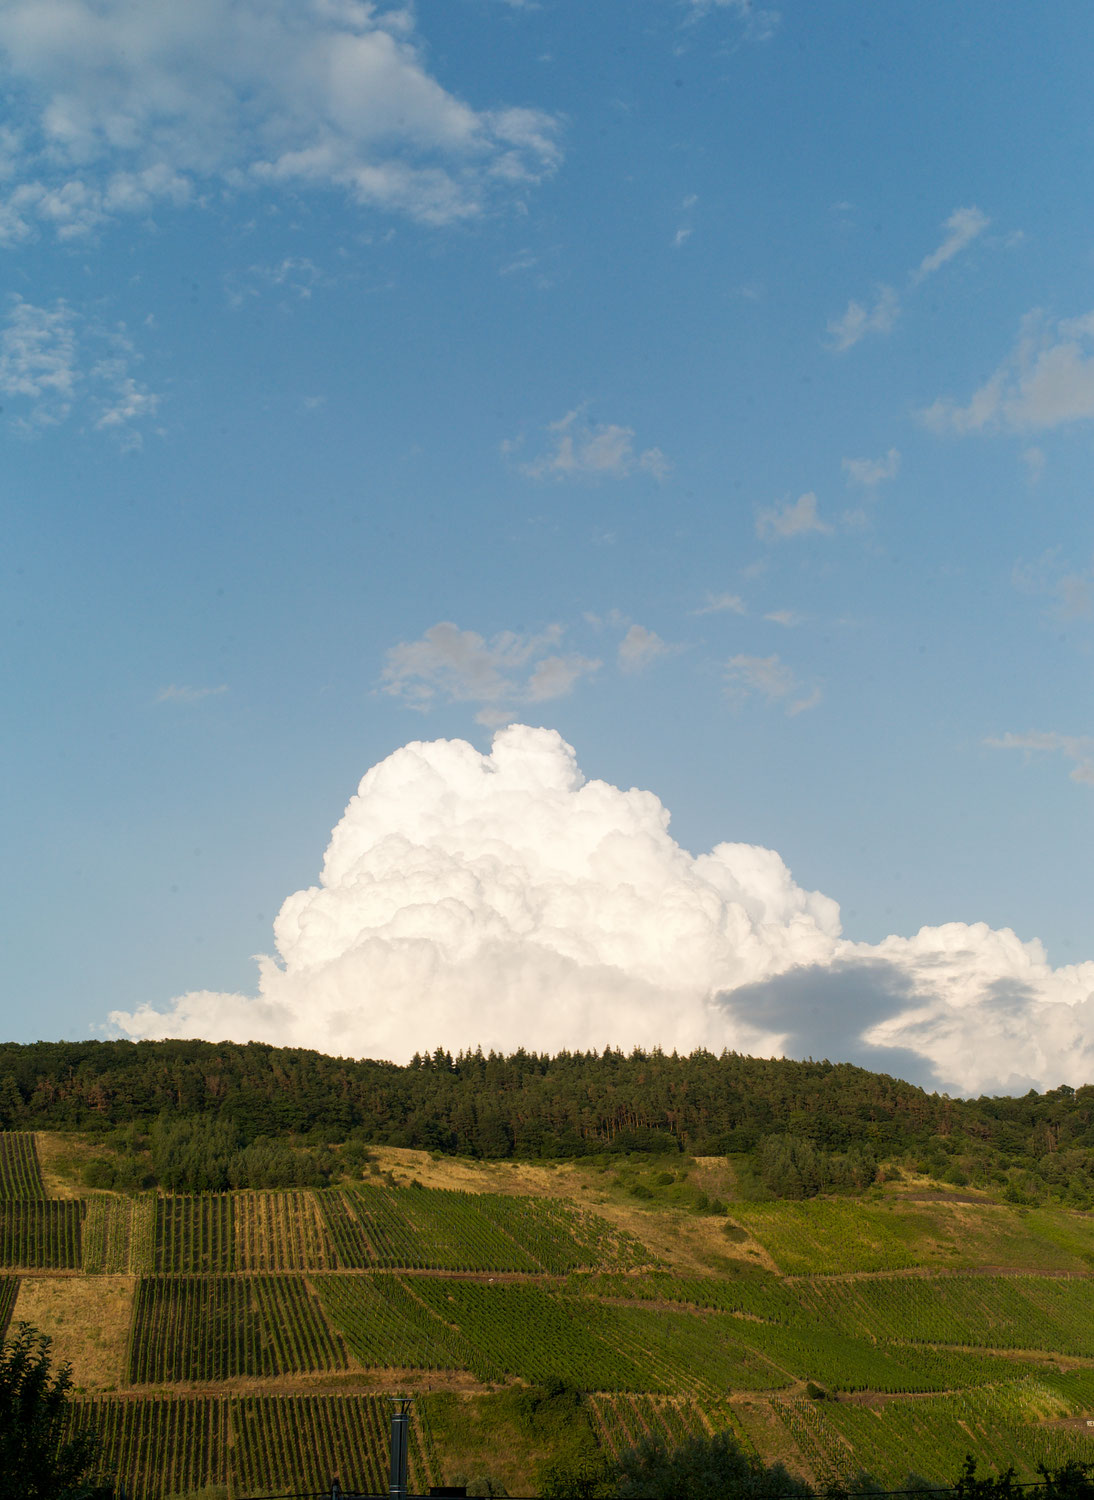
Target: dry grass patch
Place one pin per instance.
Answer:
(522, 1178)
(88, 1321)
(63, 1159)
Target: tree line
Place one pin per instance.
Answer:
(803, 1126)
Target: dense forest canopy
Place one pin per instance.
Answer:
(573, 1104)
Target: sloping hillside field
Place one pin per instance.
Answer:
(246, 1342)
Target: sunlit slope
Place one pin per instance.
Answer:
(247, 1339)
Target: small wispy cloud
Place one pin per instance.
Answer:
(1070, 589)
(962, 227)
(770, 678)
(461, 666)
(56, 362)
(717, 604)
(294, 274)
(870, 472)
(1034, 460)
(639, 648)
(182, 693)
(780, 522)
(1046, 381)
(1076, 748)
(760, 22)
(861, 319)
(787, 618)
(880, 315)
(578, 448)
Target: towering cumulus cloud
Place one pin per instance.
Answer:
(504, 900)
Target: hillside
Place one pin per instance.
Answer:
(528, 1107)
(245, 1341)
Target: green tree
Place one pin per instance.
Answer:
(703, 1468)
(42, 1456)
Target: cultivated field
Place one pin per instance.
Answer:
(244, 1343)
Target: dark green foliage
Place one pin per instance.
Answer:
(1070, 1481)
(527, 1105)
(789, 1167)
(206, 1154)
(591, 1476)
(39, 1460)
(702, 1468)
(12, 1105)
(122, 1163)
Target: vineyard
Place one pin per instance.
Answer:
(42, 1235)
(117, 1235)
(428, 1229)
(20, 1174)
(202, 1328)
(255, 1332)
(9, 1290)
(164, 1445)
(160, 1446)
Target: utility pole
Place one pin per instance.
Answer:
(400, 1424)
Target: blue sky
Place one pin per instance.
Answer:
(713, 384)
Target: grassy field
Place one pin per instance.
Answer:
(244, 1343)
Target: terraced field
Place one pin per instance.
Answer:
(258, 1333)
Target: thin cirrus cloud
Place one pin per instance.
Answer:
(56, 363)
(460, 666)
(800, 518)
(1076, 748)
(880, 314)
(125, 104)
(1046, 381)
(504, 901)
(577, 448)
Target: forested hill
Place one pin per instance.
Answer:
(527, 1105)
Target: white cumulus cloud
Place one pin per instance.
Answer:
(120, 104)
(502, 899)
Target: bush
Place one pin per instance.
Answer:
(703, 1468)
(37, 1461)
